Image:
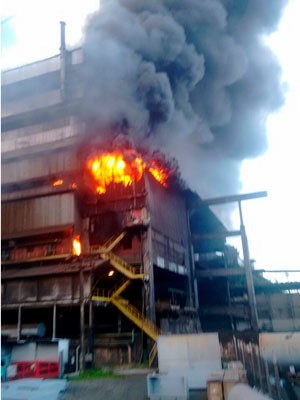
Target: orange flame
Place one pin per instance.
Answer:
(76, 245)
(124, 168)
(58, 182)
(112, 167)
(160, 174)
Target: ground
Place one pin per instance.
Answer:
(132, 387)
(129, 387)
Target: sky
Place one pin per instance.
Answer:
(272, 223)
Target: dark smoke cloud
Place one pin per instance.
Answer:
(191, 77)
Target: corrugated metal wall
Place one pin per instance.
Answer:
(168, 211)
(65, 288)
(38, 213)
(39, 167)
(169, 227)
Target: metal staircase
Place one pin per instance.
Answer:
(136, 317)
(122, 266)
(127, 309)
(113, 295)
(110, 244)
(131, 312)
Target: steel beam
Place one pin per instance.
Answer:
(236, 311)
(220, 272)
(233, 198)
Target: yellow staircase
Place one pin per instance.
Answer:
(130, 312)
(127, 309)
(122, 266)
(109, 245)
(113, 295)
(116, 261)
(112, 242)
(136, 317)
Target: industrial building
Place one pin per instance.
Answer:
(110, 261)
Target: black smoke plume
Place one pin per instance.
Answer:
(190, 77)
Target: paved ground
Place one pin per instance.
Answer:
(129, 387)
(132, 387)
(32, 389)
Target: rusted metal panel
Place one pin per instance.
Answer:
(54, 288)
(33, 214)
(19, 292)
(43, 290)
(11, 293)
(43, 165)
(70, 268)
(28, 290)
(86, 285)
(168, 211)
(43, 137)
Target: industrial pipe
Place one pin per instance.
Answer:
(26, 330)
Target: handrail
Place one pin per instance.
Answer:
(122, 266)
(152, 354)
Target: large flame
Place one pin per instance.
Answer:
(124, 168)
(76, 245)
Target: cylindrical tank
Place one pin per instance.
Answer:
(242, 391)
(284, 347)
(26, 330)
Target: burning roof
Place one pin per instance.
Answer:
(126, 166)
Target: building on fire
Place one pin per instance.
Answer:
(100, 242)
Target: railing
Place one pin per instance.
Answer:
(122, 266)
(152, 354)
(113, 241)
(137, 317)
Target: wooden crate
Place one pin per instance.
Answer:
(231, 378)
(215, 387)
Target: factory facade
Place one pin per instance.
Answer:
(112, 261)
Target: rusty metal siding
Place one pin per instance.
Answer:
(53, 288)
(170, 246)
(38, 213)
(45, 289)
(29, 137)
(168, 211)
(44, 165)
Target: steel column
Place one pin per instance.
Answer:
(54, 322)
(248, 272)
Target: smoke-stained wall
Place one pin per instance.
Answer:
(193, 78)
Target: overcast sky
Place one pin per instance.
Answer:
(272, 224)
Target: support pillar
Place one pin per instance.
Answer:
(91, 332)
(54, 323)
(248, 272)
(82, 327)
(149, 293)
(19, 323)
